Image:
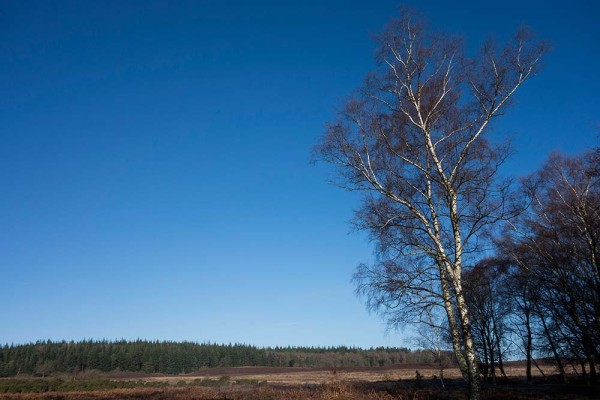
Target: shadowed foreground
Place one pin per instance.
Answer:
(333, 390)
(337, 385)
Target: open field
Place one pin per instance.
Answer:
(263, 383)
(302, 376)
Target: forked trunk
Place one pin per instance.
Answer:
(460, 330)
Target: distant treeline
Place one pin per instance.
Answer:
(46, 357)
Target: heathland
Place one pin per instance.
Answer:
(170, 370)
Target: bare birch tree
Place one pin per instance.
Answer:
(413, 140)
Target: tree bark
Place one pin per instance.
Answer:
(473, 379)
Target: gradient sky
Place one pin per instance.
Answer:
(154, 160)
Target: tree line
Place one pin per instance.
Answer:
(484, 265)
(539, 294)
(46, 357)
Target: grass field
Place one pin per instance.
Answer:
(262, 383)
(302, 376)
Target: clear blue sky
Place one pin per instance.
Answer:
(154, 160)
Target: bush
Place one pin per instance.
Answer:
(28, 385)
(59, 385)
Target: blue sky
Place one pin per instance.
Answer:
(154, 160)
